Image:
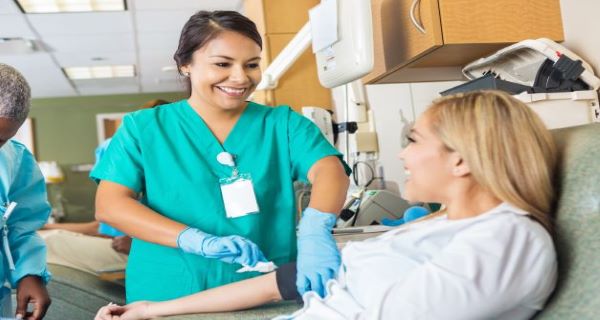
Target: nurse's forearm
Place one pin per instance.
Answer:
(329, 185)
(235, 296)
(118, 206)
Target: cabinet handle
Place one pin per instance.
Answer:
(414, 21)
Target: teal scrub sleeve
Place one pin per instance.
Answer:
(307, 146)
(27, 248)
(100, 150)
(104, 228)
(122, 161)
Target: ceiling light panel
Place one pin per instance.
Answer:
(56, 6)
(100, 72)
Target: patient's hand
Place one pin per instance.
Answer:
(122, 244)
(109, 312)
(134, 311)
(137, 311)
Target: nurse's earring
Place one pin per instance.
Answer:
(184, 73)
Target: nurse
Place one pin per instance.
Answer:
(23, 207)
(216, 174)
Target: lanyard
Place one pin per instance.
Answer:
(227, 159)
(9, 209)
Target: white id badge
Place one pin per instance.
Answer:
(239, 198)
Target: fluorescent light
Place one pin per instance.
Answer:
(168, 68)
(12, 46)
(100, 72)
(55, 6)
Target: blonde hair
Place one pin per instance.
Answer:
(507, 147)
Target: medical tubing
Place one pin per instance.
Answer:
(355, 173)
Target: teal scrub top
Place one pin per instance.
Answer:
(170, 156)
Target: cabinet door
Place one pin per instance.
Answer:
(278, 21)
(493, 21)
(396, 39)
(278, 16)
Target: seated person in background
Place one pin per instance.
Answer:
(83, 246)
(90, 246)
(89, 252)
(489, 253)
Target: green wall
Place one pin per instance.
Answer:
(65, 132)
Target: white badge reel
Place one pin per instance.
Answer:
(238, 194)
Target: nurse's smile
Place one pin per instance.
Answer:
(232, 92)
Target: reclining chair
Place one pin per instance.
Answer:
(77, 295)
(577, 295)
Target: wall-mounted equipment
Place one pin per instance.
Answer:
(341, 34)
(555, 82)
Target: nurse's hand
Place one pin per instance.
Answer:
(318, 256)
(31, 289)
(230, 249)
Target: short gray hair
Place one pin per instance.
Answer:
(15, 94)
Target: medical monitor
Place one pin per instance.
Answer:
(342, 40)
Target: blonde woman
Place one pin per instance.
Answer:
(489, 159)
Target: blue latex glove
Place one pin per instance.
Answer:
(230, 249)
(410, 214)
(318, 256)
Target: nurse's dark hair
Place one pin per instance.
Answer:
(204, 26)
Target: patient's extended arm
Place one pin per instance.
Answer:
(235, 296)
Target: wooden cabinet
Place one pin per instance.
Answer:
(278, 16)
(278, 21)
(454, 33)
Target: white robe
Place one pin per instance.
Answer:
(498, 265)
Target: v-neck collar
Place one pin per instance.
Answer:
(233, 137)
